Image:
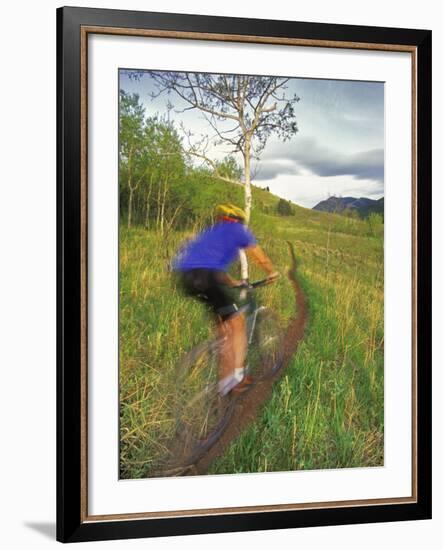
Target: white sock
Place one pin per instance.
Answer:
(228, 382)
(239, 374)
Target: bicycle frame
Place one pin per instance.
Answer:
(251, 307)
(251, 322)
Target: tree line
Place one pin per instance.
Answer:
(157, 180)
(160, 186)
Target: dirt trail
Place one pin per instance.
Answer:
(249, 404)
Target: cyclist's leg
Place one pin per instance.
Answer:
(239, 340)
(233, 351)
(209, 286)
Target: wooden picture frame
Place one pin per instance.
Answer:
(74, 26)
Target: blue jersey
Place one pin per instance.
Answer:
(215, 248)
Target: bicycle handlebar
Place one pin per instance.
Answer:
(256, 284)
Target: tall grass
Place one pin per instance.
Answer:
(326, 411)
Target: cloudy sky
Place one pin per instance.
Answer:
(338, 150)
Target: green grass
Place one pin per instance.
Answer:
(327, 409)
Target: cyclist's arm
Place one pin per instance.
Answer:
(261, 259)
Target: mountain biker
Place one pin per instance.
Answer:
(202, 266)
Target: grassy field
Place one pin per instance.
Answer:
(327, 409)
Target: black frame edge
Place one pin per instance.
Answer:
(240, 25)
(115, 530)
(68, 276)
(424, 272)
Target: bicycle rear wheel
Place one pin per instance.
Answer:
(201, 414)
(266, 352)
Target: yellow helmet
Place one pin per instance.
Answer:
(231, 211)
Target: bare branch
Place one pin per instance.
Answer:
(214, 166)
(195, 101)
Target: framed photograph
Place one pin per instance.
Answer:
(244, 274)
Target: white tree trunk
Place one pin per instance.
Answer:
(148, 204)
(248, 204)
(243, 264)
(131, 192)
(162, 214)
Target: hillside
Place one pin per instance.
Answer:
(196, 195)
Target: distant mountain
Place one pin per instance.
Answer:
(346, 205)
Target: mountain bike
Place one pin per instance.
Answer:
(201, 413)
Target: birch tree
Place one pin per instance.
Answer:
(242, 112)
(132, 145)
(151, 158)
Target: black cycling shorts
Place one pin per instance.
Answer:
(210, 287)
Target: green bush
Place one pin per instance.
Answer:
(284, 208)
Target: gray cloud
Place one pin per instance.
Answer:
(364, 165)
(308, 154)
(268, 170)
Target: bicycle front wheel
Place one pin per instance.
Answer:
(201, 413)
